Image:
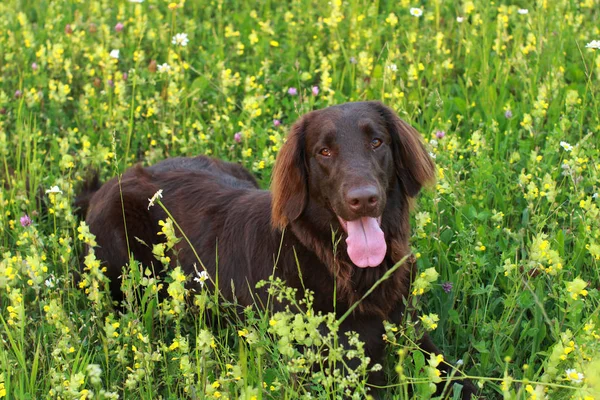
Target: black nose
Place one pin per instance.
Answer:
(363, 199)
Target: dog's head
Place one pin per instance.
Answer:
(347, 159)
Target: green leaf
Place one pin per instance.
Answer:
(525, 299)
(482, 346)
(419, 360)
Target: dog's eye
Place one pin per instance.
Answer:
(375, 143)
(325, 152)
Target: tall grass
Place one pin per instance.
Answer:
(505, 96)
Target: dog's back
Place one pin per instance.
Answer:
(230, 174)
(118, 211)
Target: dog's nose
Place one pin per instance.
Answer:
(363, 199)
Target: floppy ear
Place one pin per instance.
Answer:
(414, 166)
(289, 183)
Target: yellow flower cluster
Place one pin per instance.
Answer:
(423, 282)
(543, 257)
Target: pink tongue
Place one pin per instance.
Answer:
(366, 242)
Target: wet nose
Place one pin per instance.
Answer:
(363, 199)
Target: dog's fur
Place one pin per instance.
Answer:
(330, 155)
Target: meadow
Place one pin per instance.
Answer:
(508, 239)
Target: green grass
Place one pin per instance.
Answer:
(513, 222)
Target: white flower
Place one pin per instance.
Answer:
(49, 282)
(136, 1)
(460, 362)
(376, 367)
(393, 67)
(566, 146)
(416, 12)
(180, 39)
(574, 376)
(164, 68)
(594, 44)
(201, 278)
(114, 54)
(595, 196)
(460, 19)
(523, 11)
(157, 195)
(433, 143)
(432, 155)
(53, 189)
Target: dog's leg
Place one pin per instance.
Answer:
(370, 331)
(469, 391)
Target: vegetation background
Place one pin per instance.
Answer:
(505, 95)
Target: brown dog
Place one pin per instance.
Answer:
(351, 168)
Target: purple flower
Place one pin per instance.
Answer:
(18, 94)
(508, 114)
(125, 76)
(25, 221)
(237, 137)
(119, 27)
(315, 90)
(447, 286)
(111, 83)
(276, 122)
(440, 134)
(292, 91)
(34, 66)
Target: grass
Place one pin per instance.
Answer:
(508, 239)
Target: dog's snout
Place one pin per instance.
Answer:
(363, 199)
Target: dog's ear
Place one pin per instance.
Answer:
(414, 166)
(289, 183)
